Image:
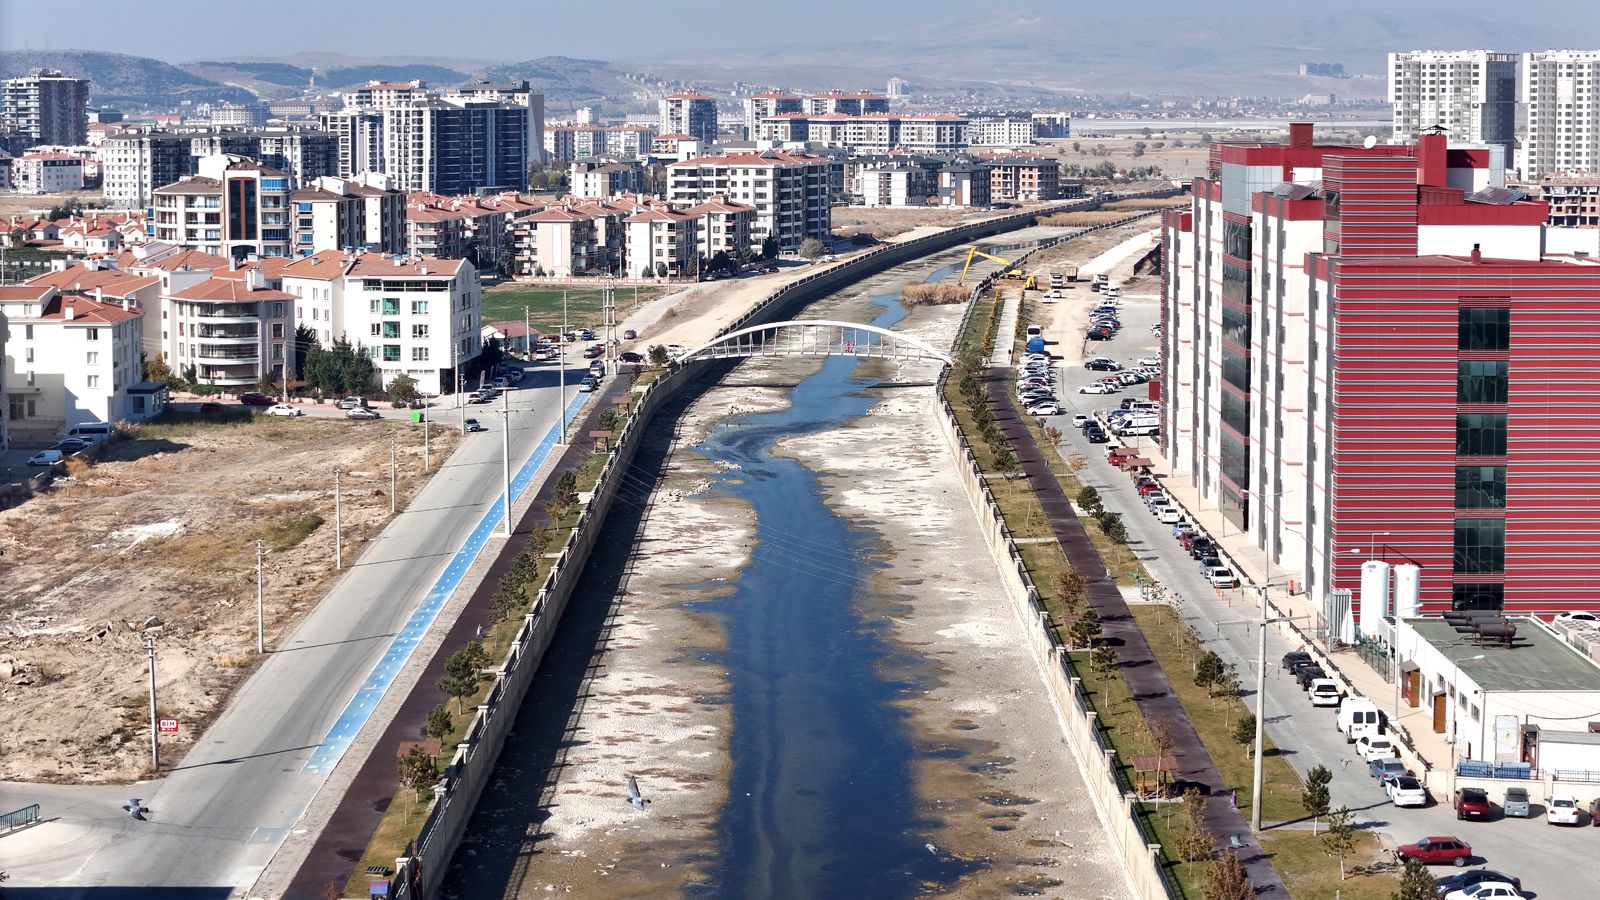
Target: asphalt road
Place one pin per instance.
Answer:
(217, 819)
(1306, 734)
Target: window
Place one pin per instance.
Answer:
(391, 352)
(1480, 434)
(89, 334)
(277, 331)
(29, 357)
(277, 351)
(1480, 487)
(1478, 596)
(1235, 325)
(27, 332)
(1485, 329)
(419, 307)
(93, 381)
(277, 310)
(419, 354)
(391, 330)
(377, 329)
(419, 331)
(1481, 381)
(1480, 546)
(92, 358)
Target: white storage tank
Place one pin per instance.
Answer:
(1407, 591)
(1374, 597)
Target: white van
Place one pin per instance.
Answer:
(1035, 330)
(1358, 716)
(1138, 424)
(91, 431)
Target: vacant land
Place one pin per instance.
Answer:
(505, 302)
(20, 205)
(159, 539)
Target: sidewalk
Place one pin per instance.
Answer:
(1414, 724)
(1005, 334)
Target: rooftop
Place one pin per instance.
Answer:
(1539, 661)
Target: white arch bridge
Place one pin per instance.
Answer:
(816, 337)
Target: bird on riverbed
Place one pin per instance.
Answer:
(634, 796)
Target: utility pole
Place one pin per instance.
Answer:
(608, 305)
(561, 368)
(427, 451)
(527, 333)
(505, 451)
(1261, 713)
(394, 465)
(338, 525)
(261, 619)
(155, 746)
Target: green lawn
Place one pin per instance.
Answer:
(1308, 871)
(505, 302)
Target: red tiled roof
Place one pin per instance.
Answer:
(81, 278)
(183, 259)
(376, 265)
(764, 158)
(223, 290)
(35, 292)
(192, 184)
(88, 311)
(657, 214)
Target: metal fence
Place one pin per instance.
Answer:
(21, 818)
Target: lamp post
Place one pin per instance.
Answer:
(394, 465)
(561, 369)
(505, 451)
(338, 525)
(261, 629)
(1261, 699)
(427, 450)
(155, 746)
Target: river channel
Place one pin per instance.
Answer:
(780, 639)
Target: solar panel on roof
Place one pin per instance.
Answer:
(1498, 196)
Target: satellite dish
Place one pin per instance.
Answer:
(1370, 142)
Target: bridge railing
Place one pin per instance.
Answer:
(20, 818)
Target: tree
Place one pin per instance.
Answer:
(811, 248)
(1315, 797)
(719, 262)
(661, 270)
(267, 384)
(158, 371)
(1244, 733)
(1086, 630)
(1071, 587)
(1104, 659)
(1208, 670)
(305, 337)
(1196, 842)
(1340, 841)
(1005, 461)
(1228, 880)
(403, 388)
(1161, 738)
(1115, 530)
(646, 272)
(1089, 500)
(418, 769)
(490, 355)
(439, 722)
(769, 247)
(463, 672)
(1139, 148)
(1077, 147)
(659, 356)
(458, 688)
(191, 376)
(1415, 882)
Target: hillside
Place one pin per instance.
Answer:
(121, 80)
(568, 82)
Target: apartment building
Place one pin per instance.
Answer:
(662, 241)
(463, 227)
(69, 360)
(1561, 92)
(565, 143)
(1020, 178)
(931, 133)
(849, 103)
(1574, 200)
(365, 212)
(789, 190)
(724, 226)
(134, 164)
(1052, 126)
(690, 113)
(46, 107)
(560, 241)
(426, 146)
(235, 207)
(232, 331)
(594, 178)
(386, 94)
(1471, 94)
(768, 104)
(359, 135)
(964, 185)
(1368, 349)
(515, 93)
(1001, 129)
(46, 173)
(895, 184)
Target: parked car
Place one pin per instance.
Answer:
(284, 409)
(1079, 420)
(1324, 692)
(1562, 809)
(1097, 388)
(1463, 880)
(71, 445)
(593, 352)
(211, 406)
(1404, 790)
(1202, 548)
(588, 384)
(1101, 364)
(361, 413)
(351, 402)
(1096, 435)
(1579, 615)
(632, 357)
(1470, 803)
(629, 334)
(1515, 803)
(1486, 890)
(1295, 657)
(1167, 515)
(1374, 746)
(1306, 675)
(255, 398)
(1044, 408)
(1437, 851)
(1149, 360)
(475, 425)
(46, 458)
(1100, 335)
(1222, 577)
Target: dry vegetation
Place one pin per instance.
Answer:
(886, 223)
(159, 538)
(933, 294)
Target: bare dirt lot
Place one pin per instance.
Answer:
(20, 204)
(159, 539)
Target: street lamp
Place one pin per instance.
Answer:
(1261, 699)
(505, 450)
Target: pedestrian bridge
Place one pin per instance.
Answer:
(816, 337)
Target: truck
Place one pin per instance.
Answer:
(1067, 273)
(1036, 345)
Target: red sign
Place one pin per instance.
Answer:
(167, 726)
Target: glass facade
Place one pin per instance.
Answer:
(1480, 487)
(1236, 412)
(1235, 326)
(1235, 459)
(1480, 434)
(1236, 369)
(1485, 329)
(1480, 547)
(1478, 596)
(1481, 381)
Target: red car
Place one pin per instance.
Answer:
(1437, 851)
(254, 398)
(1472, 803)
(211, 407)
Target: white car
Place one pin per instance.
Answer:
(45, 458)
(1486, 890)
(1097, 388)
(1578, 615)
(1149, 360)
(1407, 791)
(1222, 577)
(1374, 746)
(1168, 515)
(1562, 810)
(284, 409)
(1047, 408)
(1324, 692)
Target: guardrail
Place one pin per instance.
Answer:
(21, 818)
(456, 795)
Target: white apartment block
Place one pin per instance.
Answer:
(894, 184)
(560, 241)
(1561, 92)
(232, 330)
(364, 212)
(68, 360)
(759, 107)
(386, 94)
(133, 165)
(235, 208)
(46, 173)
(604, 179)
(1472, 94)
(725, 226)
(690, 113)
(789, 191)
(1001, 129)
(46, 107)
(662, 241)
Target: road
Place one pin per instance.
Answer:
(217, 819)
(1518, 847)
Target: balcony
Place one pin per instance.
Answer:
(223, 333)
(231, 356)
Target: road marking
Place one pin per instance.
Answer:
(394, 658)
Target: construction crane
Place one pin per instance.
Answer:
(1010, 270)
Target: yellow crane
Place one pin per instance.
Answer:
(1010, 271)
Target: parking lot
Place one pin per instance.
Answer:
(1307, 735)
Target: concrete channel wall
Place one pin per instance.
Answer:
(420, 874)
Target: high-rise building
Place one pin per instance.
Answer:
(1000, 129)
(765, 104)
(364, 212)
(789, 190)
(133, 165)
(359, 133)
(235, 207)
(898, 88)
(1471, 94)
(692, 114)
(47, 107)
(516, 93)
(850, 103)
(457, 146)
(1368, 349)
(1561, 90)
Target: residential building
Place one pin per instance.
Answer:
(849, 103)
(1574, 200)
(236, 114)
(1016, 178)
(6, 161)
(662, 241)
(234, 208)
(964, 184)
(1561, 93)
(767, 104)
(931, 133)
(898, 88)
(359, 134)
(69, 359)
(565, 143)
(789, 190)
(724, 227)
(46, 107)
(1001, 129)
(46, 173)
(602, 178)
(1052, 126)
(692, 114)
(302, 154)
(366, 212)
(1471, 94)
(629, 141)
(894, 184)
(134, 164)
(1368, 348)
(424, 142)
(464, 227)
(233, 331)
(386, 94)
(560, 241)
(516, 93)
